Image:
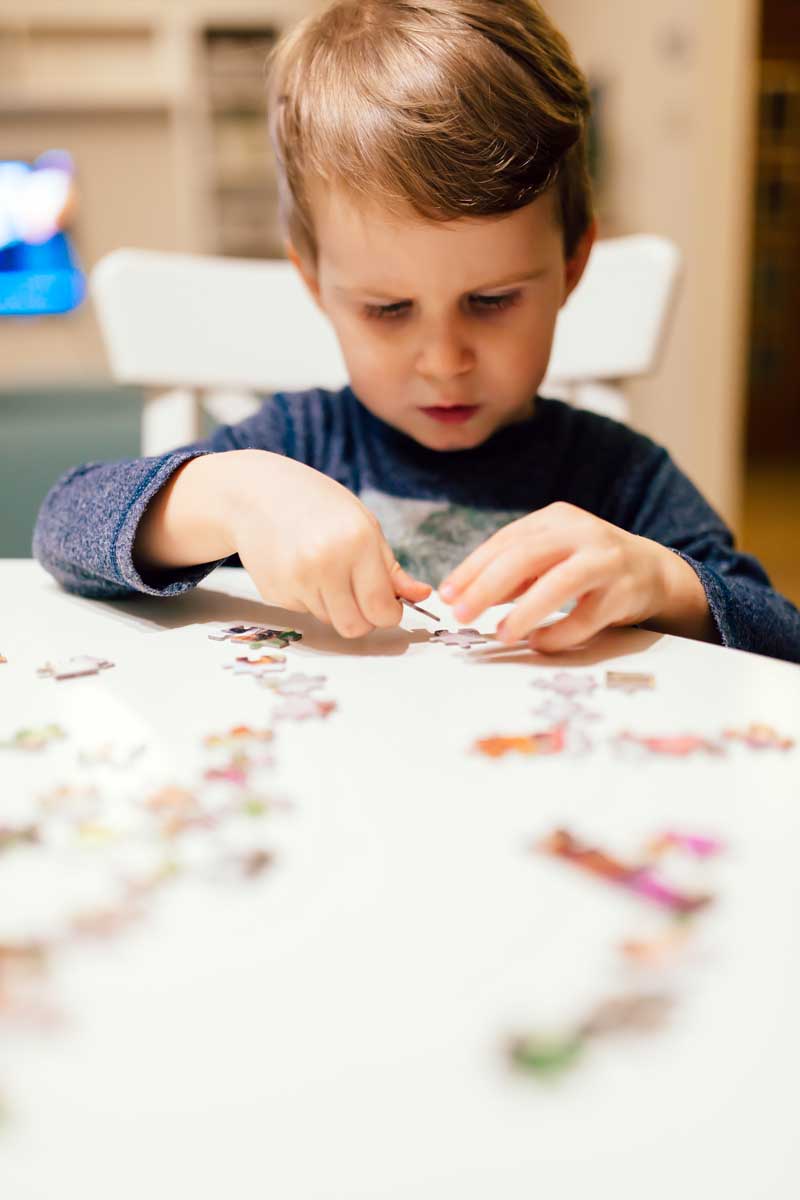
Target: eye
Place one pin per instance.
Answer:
(387, 312)
(489, 304)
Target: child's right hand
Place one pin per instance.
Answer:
(312, 546)
(309, 544)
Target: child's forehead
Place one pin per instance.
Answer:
(360, 240)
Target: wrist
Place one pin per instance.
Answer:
(683, 609)
(190, 521)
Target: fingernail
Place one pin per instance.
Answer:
(461, 612)
(447, 591)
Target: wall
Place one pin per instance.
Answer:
(681, 115)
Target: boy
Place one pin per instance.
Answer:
(431, 157)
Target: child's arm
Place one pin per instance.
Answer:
(672, 567)
(159, 525)
(309, 544)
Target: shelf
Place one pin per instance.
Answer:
(17, 105)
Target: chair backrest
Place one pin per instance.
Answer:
(614, 324)
(190, 321)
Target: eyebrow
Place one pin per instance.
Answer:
(380, 294)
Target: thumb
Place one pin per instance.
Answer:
(406, 585)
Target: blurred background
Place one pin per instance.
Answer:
(141, 124)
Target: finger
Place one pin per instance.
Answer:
(317, 608)
(374, 591)
(588, 618)
(408, 587)
(570, 579)
(523, 561)
(345, 615)
(404, 584)
(452, 587)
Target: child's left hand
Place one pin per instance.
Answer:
(562, 553)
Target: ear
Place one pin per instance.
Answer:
(576, 265)
(307, 272)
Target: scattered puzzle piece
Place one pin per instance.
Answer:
(229, 631)
(303, 708)
(256, 636)
(20, 836)
(551, 1054)
(551, 741)
(74, 668)
(257, 666)
(661, 949)
(34, 739)
(465, 638)
(759, 737)
(109, 755)
(296, 685)
(237, 736)
(630, 681)
(636, 1012)
(640, 880)
(695, 844)
(673, 745)
(567, 683)
(563, 709)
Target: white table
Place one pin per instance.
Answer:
(336, 1028)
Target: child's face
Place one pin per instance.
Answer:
(446, 329)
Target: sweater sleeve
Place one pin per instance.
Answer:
(88, 521)
(748, 613)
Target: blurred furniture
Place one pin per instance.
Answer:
(206, 327)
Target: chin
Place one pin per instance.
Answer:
(464, 437)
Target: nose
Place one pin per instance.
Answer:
(445, 353)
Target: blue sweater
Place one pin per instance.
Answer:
(434, 507)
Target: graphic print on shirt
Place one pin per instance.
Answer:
(431, 537)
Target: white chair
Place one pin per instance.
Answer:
(220, 330)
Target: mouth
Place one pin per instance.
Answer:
(451, 414)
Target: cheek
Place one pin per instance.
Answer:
(519, 356)
(369, 355)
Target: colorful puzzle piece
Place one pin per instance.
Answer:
(256, 636)
(34, 739)
(661, 949)
(257, 666)
(550, 741)
(698, 845)
(640, 880)
(759, 737)
(551, 1054)
(237, 736)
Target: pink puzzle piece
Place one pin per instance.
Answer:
(303, 708)
(567, 683)
(672, 746)
(464, 638)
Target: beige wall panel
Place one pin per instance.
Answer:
(681, 120)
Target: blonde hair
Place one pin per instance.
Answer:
(458, 108)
